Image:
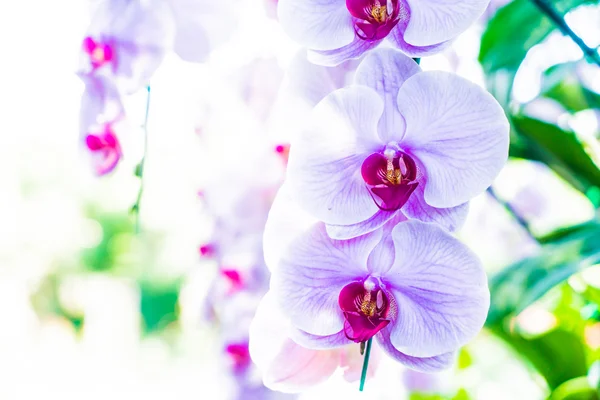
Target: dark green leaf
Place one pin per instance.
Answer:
(560, 149)
(158, 305)
(558, 355)
(519, 285)
(575, 389)
(515, 29)
(562, 83)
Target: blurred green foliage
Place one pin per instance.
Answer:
(561, 355)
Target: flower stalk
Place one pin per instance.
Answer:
(559, 21)
(363, 375)
(139, 170)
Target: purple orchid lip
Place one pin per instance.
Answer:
(106, 140)
(106, 145)
(366, 307)
(100, 53)
(391, 176)
(374, 20)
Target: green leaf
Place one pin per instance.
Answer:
(560, 149)
(158, 305)
(515, 29)
(518, 286)
(558, 355)
(575, 389)
(561, 83)
(139, 169)
(589, 227)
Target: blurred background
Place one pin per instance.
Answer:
(110, 290)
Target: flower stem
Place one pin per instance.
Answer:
(559, 21)
(417, 60)
(363, 375)
(511, 210)
(139, 170)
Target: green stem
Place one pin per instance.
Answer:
(139, 171)
(558, 20)
(363, 375)
(417, 60)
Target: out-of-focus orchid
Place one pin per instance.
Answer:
(126, 41)
(105, 149)
(338, 30)
(421, 293)
(99, 121)
(399, 141)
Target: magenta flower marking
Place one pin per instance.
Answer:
(374, 18)
(239, 355)
(339, 30)
(99, 53)
(105, 149)
(234, 278)
(283, 150)
(419, 292)
(207, 250)
(398, 142)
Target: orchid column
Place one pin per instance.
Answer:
(382, 173)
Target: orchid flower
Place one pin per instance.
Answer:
(338, 30)
(398, 141)
(418, 291)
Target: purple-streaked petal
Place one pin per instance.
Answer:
(396, 37)
(334, 57)
(285, 365)
(317, 24)
(435, 21)
(440, 289)
(297, 368)
(317, 342)
(285, 222)
(385, 70)
(450, 219)
(343, 232)
(422, 364)
(268, 331)
(324, 165)
(458, 131)
(311, 274)
(382, 256)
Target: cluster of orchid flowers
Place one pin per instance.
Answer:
(124, 45)
(358, 240)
